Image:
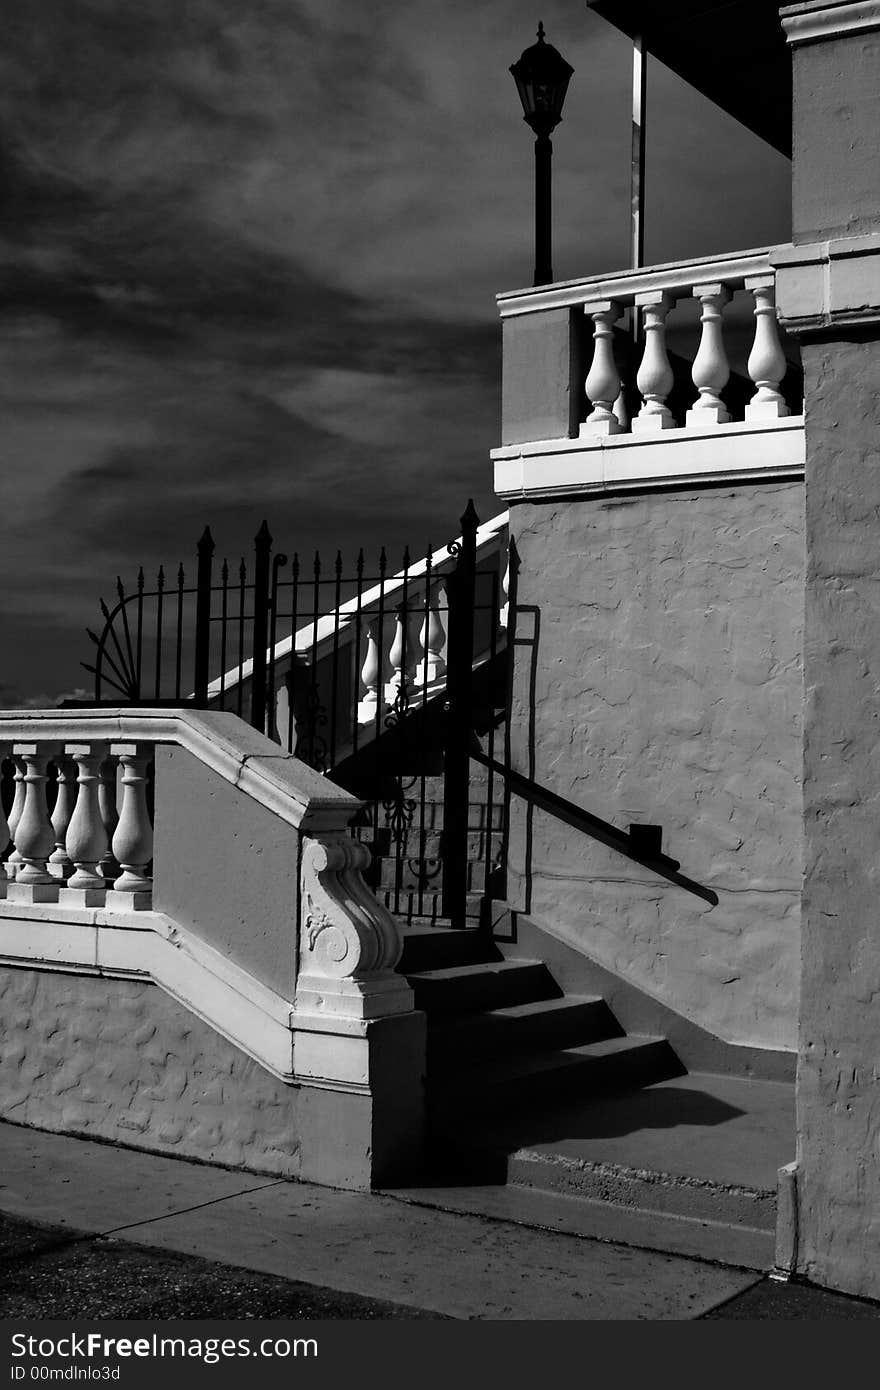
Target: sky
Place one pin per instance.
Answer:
(249, 251)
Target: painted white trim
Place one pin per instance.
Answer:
(829, 283)
(329, 629)
(152, 947)
(819, 19)
(239, 754)
(624, 285)
(740, 452)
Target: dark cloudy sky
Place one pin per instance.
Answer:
(248, 257)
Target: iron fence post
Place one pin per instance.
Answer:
(203, 617)
(459, 721)
(262, 549)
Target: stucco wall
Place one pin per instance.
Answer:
(665, 631)
(839, 1066)
(120, 1060)
(542, 375)
(836, 137)
(226, 868)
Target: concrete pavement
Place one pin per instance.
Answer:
(96, 1231)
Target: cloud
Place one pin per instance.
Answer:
(247, 266)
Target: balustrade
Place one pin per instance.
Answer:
(86, 854)
(655, 295)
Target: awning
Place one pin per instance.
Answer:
(733, 51)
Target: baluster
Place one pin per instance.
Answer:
(505, 589)
(34, 836)
(14, 860)
(59, 864)
(396, 657)
(654, 378)
(766, 364)
(108, 866)
(86, 834)
(370, 673)
(710, 371)
(602, 385)
(4, 834)
(133, 840)
(432, 639)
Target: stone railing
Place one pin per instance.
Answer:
(230, 880)
(95, 846)
(385, 645)
(648, 377)
(655, 294)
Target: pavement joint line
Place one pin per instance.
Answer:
(497, 1219)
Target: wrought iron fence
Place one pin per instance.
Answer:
(379, 678)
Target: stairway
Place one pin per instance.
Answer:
(542, 1108)
(544, 1112)
(500, 1030)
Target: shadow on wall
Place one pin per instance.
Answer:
(640, 843)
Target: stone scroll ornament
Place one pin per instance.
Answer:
(347, 934)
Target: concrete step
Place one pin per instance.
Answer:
(538, 1025)
(615, 1063)
(484, 985)
(427, 948)
(689, 1163)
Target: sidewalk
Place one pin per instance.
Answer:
(93, 1231)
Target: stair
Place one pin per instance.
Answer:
(503, 1029)
(543, 1111)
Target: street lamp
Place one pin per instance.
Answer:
(542, 76)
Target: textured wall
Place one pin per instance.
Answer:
(542, 375)
(226, 868)
(120, 1060)
(668, 689)
(836, 137)
(839, 1067)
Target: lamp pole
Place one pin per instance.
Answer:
(542, 76)
(543, 211)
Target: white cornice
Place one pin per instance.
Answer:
(739, 452)
(819, 19)
(829, 284)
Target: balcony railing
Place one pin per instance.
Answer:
(669, 355)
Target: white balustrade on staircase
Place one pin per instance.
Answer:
(67, 858)
(378, 647)
(654, 293)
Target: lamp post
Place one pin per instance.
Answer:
(542, 76)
